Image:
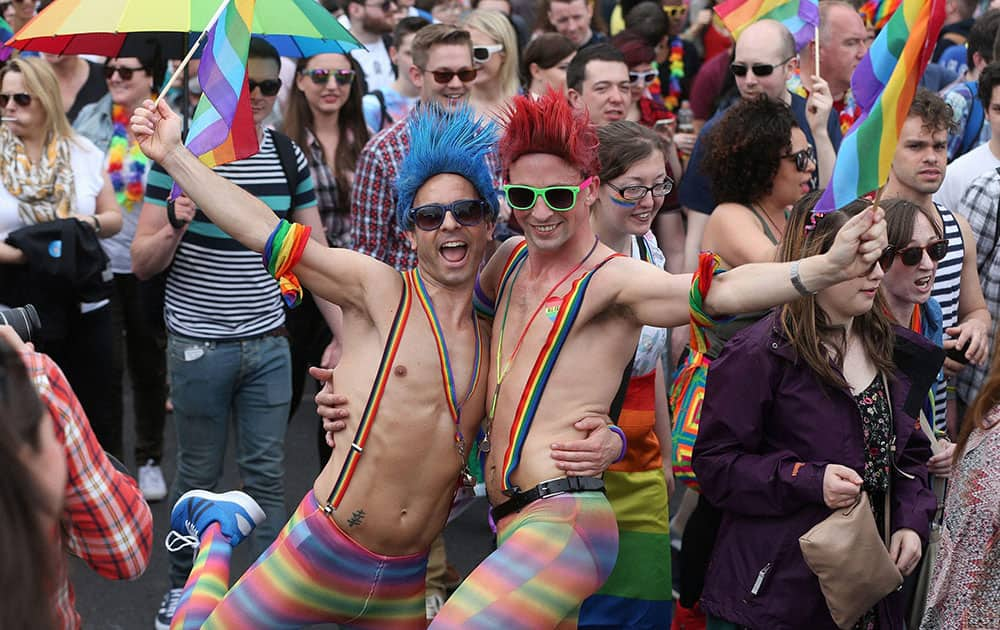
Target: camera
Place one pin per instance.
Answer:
(23, 319)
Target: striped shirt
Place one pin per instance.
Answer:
(947, 282)
(216, 288)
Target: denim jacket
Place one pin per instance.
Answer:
(768, 429)
(94, 122)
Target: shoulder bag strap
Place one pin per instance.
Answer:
(886, 520)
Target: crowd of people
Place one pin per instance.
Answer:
(452, 221)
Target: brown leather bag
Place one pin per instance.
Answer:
(850, 559)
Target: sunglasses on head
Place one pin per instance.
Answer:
(467, 212)
(268, 87)
(802, 159)
(759, 69)
(466, 75)
(936, 250)
(321, 76)
(20, 99)
(558, 198)
(123, 71)
(642, 77)
(675, 11)
(482, 54)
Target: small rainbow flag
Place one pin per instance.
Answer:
(800, 16)
(877, 12)
(222, 129)
(5, 34)
(883, 84)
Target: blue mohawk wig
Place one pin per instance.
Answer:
(446, 141)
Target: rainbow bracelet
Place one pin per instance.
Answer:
(708, 268)
(282, 252)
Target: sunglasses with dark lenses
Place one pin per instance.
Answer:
(445, 76)
(20, 99)
(482, 54)
(936, 250)
(321, 76)
(123, 71)
(759, 69)
(268, 87)
(642, 77)
(885, 260)
(385, 6)
(802, 159)
(558, 198)
(637, 192)
(467, 212)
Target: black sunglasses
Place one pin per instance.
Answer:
(759, 69)
(910, 256)
(443, 77)
(885, 260)
(268, 87)
(467, 212)
(123, 71)
(321, 76)
(802, 158)
(20, 99)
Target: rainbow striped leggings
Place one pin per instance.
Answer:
(312, 573)
(551, 556)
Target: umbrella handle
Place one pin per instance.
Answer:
(190, 54)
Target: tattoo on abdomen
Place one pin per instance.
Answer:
(356, 518)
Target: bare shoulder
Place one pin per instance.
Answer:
(489, 277)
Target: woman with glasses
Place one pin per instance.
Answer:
(803, 411)
(48, 173)
(325, 117)
(136, 314)
(634, 182)
(494, 55)
(544, 62)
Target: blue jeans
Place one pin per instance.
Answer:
(249, 381)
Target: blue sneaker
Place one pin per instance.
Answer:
(236, 513)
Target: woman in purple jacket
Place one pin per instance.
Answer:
(796, 422)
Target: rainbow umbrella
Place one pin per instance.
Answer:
(128, 28)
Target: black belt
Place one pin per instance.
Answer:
(519, 500)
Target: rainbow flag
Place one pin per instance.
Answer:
(5, 34)
(877, 12)
(222, 129)
(800, 16)
(883, 85)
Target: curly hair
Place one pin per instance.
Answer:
(744, 149)
(933, 111)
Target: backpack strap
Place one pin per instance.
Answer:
(386, 119)
(974, 125)
(289, 165)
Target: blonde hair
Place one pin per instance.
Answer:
(499, 28)
(41, 82)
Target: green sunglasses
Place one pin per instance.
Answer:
(558, 198)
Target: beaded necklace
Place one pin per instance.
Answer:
(676, 65)
(126, 162)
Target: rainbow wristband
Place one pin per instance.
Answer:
(617, 429)
(282, 251)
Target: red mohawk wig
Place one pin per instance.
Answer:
(549, 125)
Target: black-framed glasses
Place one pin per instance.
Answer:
(321, 76)
(20, 99)
(558, 198)
(386, 5)
(936, 250)
(268, 87)
(467, 212)
(802, 159)
(637, 192)
(642, 77)
(482, 54)
(123, 71)
(465, 75)
(759, 69)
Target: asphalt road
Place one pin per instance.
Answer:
(111, 605)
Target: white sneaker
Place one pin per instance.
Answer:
(151, 482)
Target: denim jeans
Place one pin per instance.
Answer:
(210, 382)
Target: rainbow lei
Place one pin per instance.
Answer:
(676, 64)
(126, 162)
(282, 251)
(708, 268)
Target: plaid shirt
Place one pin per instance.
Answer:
(336, 221)
(373, 200)
(106, 522)
(979, 206)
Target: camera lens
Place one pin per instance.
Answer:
(23, 319)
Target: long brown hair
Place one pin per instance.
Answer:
(354, 133)
(818, 343)
(989, 397)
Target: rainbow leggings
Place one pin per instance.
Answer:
(551, 556)
(312, 573)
